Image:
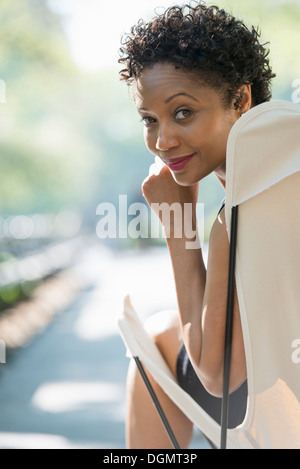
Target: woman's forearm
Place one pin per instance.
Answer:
(190, 276)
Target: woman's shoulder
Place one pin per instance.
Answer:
(218, 233)
(221, 206)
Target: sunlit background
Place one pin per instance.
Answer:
(70, 139)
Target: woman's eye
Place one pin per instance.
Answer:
(183, 114)
(147, 120)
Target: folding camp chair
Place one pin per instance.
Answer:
(263, 188)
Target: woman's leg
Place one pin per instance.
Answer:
(144, 428)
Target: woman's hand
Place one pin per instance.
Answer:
(160, 187)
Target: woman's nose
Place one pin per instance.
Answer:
(166, 138)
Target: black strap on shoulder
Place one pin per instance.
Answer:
(222, 206)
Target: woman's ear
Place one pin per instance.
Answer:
(243, 100)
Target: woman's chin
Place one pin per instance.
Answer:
(184, 179)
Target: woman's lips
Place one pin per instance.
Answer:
(175, 164)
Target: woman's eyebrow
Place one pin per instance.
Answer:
(180, 94)
(172, 97)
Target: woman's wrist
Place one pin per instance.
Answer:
(182, 242)
(180, 223)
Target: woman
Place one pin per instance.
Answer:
(195, 71)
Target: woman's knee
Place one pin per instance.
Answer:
(164, 328)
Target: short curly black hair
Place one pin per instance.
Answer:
(217, 48)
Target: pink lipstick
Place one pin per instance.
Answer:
(175, 164)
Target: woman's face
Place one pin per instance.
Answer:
(185, 124)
